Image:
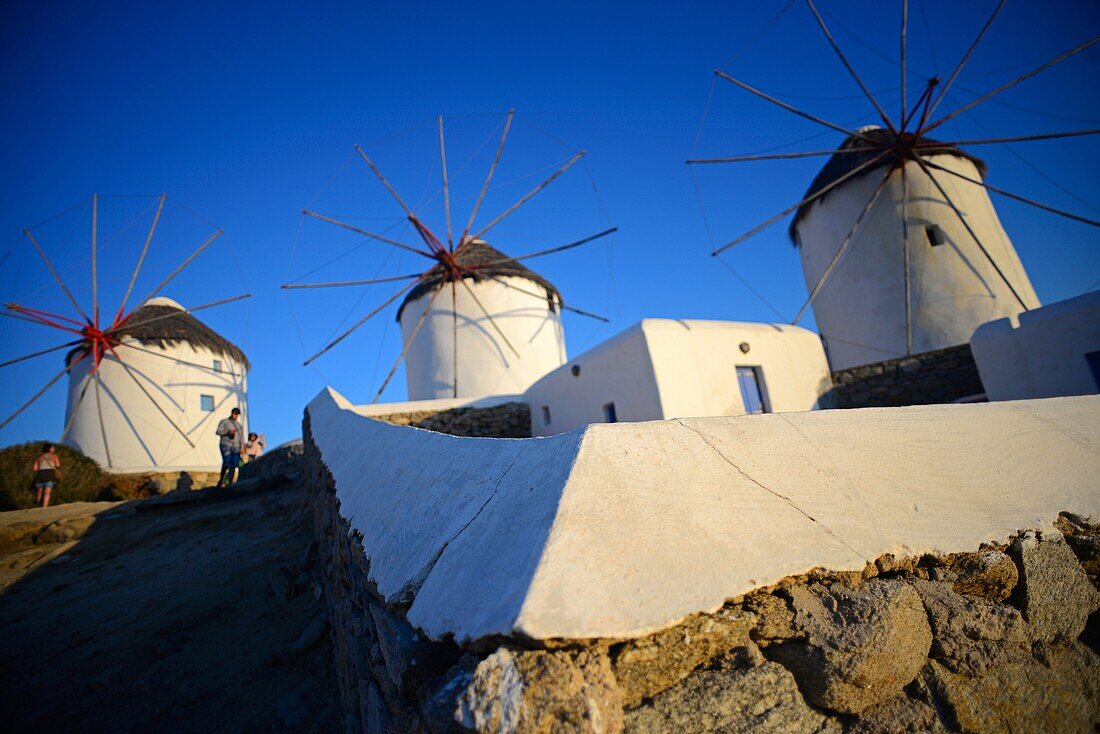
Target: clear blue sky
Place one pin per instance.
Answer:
(246, 114)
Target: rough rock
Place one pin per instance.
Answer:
(864, 644)
(1083, 538)
(972, 634)
(1054, 592)
(652, 664)
(775, 619)
(538, 691)
(760, 700)
(409, 658)
(437, 701)
(1061, 694)
(900, 715)
(990, 574)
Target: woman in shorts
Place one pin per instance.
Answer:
(47, 470)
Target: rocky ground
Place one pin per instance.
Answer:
(195, 611)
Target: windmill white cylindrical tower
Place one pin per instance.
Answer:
(459, 352)
(954, 287)
(192, 373)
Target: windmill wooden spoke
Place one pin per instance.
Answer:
(408, 342)
(130, 372)
(342, 283)
(35, 317)
(921, 100)
(780, 156)
(1014, 82)
(843, 247)
(41, 392)
(844, 60)
(905, 260)
(184, 264)
(54, 273)
(365, 233)
(928, 171)
(45, 317)
(543, 297)
(141, 258)
(212, 304)
(40, 353)
(99, 414)
(446, 186)
(95, 279)
(966, 57)
(540, 253)
(488, 178)
(904, 56)
(1002, 192)
(391, 189)
(791, 108)
(18, 317)
(488, 316)
(927, 105)
(177, 360)
(364, 320)
(1016, 139)
(812, 197)
(527, 197)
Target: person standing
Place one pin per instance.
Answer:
(47, 471)
(230, 443)
(254, 447)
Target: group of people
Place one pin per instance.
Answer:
(234, 448)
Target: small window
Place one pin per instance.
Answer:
(935, 235)
(217, 365)
(546, 415)
(206, 402)
(1093, 359)
(754, 395)
(609, 415)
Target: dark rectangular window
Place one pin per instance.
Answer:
(217, 365)
(1093, 358)
(754, 394)
(546, 415)
(935, 235)
(206, 403)
(609, 415)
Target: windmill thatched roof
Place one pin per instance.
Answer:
(177, 327)
(477, 252)
(839, 165)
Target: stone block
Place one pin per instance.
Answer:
(762, 700)
(864, 644)
(1054, 592)
(990, 574)
(409, 658)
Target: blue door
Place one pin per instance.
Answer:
(753, 393)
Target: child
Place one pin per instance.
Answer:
(254, 447)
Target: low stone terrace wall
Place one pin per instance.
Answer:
(508, 420)
(941, 376)
(989, 623)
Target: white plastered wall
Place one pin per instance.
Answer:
(486, 365)
(663, 368)
(954, 288)
(1042, 353)
(138, 436)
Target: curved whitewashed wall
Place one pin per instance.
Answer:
(138, 436)
(955, 289)
(486, 366)
(665, 368)
(1048, 352)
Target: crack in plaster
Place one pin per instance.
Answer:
(772, 492)
(407, 593)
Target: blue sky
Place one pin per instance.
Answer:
(246, 117)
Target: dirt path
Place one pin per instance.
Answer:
(203, 616)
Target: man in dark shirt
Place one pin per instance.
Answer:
(230, 445)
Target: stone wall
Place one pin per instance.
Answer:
(507, 420)
(1001, 638)
(941, 376)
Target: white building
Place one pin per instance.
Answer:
(458, 340)
(861, 310)
(663, 368)
(193, 374)
(1049, 352)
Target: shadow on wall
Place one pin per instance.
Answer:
(940, 376)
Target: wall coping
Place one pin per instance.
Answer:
(620, 530)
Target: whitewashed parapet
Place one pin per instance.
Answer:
(617, 531)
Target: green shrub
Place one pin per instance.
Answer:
(82, 479)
